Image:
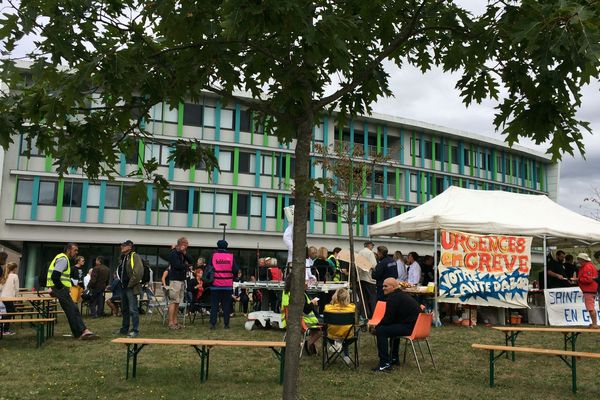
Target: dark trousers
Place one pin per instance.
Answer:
(10, 308)
(384, 333)
(369, 297)
(129, 309)
(222, 297)
(96, 303)
(71, 310)
(244, 300)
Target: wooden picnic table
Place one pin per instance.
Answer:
(570, 333)
(41, 304)
(202, 347)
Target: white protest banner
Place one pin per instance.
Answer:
(565, 307)
(490, 270)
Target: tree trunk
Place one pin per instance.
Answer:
(301, 201)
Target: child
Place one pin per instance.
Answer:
(9, 287)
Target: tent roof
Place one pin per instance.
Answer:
(492, 212)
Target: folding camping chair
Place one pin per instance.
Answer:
(351, 335)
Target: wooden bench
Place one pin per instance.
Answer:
(38, 324)
(202, 347)
(562, 354)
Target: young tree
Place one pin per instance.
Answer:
(350, 178)
(286, 54)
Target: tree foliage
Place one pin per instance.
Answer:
(295, 59)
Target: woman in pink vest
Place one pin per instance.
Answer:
(225, 268)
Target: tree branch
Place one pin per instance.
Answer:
(360, 77)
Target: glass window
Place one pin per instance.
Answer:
(252, 164)
(207, 201)
(467, 157)
(225, 161)
(244, 163)
(242, 204)
(245, 120)
(170, 114)
(72, 194)
(180, 200)
(222, 203)
(318, 169)
(34, 151)
(226, 118)
(319, 133)
(331, 214)
(164, 155)
(192, 114)
(209, 116)
(454, 155)
(256, 206)
(318, 212)
(413, 182)
(129, 202)
(24, 191)
(152, 150)
(271, 202)
(93, 196)
(112, 196)
(47, 194)
(156, 112)
(417, 147)
(267, 165)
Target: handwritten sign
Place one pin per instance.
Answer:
(490, 270)
(565, 307)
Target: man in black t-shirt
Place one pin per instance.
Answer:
(557, 276)
(401, 312)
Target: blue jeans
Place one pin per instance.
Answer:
(129, 308)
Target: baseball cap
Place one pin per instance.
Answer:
(127, 243)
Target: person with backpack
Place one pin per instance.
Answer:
(225, 268)
(58, 279)
(130, 272)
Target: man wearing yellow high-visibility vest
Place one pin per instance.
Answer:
(130, 272)
(58, 280)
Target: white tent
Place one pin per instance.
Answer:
(492, 212)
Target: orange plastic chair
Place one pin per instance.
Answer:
(420, 333)
(377, 314)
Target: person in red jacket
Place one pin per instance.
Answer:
(586, 278)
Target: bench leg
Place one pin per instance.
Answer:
(280, 354)
(132, 354)
(492, 359)
(204, 353)
(574, 373)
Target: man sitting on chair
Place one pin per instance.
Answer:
(401, 313)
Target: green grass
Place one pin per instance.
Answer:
(73, 369)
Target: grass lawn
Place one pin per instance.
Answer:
(73, 369)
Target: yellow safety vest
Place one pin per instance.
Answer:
(65, 277)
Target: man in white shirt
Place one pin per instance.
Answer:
(414, 269)
(310, 260)
(369, 292)
(402, 273)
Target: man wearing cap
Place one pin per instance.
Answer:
(129, 273)
(222, 286)
(367, 283)
(180, 263)
(586, 277)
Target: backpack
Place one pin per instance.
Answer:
(146, 274)
(208, 276)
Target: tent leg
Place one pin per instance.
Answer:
(436, 311)
(545, 278)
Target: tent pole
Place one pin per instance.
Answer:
(436, 311)
(545, 279)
